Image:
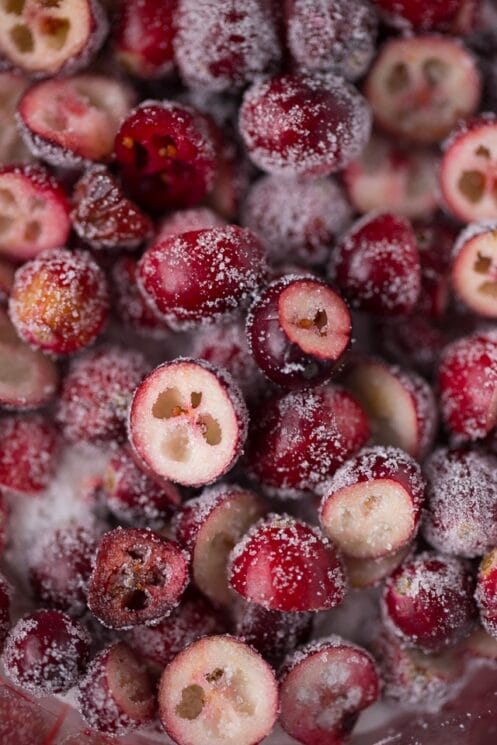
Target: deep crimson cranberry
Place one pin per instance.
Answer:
(59, 301)
(96, 393)
(60, 571)
(129, 304)
(4, 610)
(139, 577)
(286, 565)
(27, 455)
(166, 155)
(486, 592)
(296, 126)
(297, 330)
(377, 265)
(435, 241)
(133, 496)
(297, 441)
(201, 275)
(184, 221)
(143, 37)
(102, 216)
(272, 633)
(428, 15)
(413, 342)
(46, 652)
(428, 601)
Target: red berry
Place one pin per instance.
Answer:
(59, 301)
(166, 155)
(474, 275)
(486, 592)
(27, 455)
(46, 652)
(435, 240)
(143, 38)
(4, 610)
(297, 330)
(413, 342)
(364, 573)
(372, 505)
(201, 275)
(377, 265)
(12, 149)
(428, 601)
(4, 516)
(286, 565)
(7, 271)
(96, 393)
(224, 44)
(184, 221)
(297, 441)
(272, 633)
(297, 126)
(429, 14)
(139, 577)
(130, 305)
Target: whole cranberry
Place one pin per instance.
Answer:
(429, 15)
(27, 455)
(143, 37)
(435, 241)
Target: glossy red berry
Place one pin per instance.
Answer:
(27, 456)
(144, 35)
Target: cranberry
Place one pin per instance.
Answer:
(131, 307)
(429, 15)
(4, 610)
(298, 126)
(59, 301)
(46, 652)
(413, 342)
(297, 441)
(473, 275)
(4, 516)
(184, 221)
(364, 573)
(139, 577)
(12, 148)
(486, 592)
(377, 265)
(435, 241)
(144, 35)
(27, 456)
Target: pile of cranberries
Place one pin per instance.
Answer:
(248, 361)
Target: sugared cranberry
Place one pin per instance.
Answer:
(372, 505)
(60, 571)
(297, 330)
(224, 44)
(332, 36)
(377, 265)
(324, 687)
(96, 393)
(138, 577)
(461, 502)
(59, 301)
(143, 37)
(298, 126)
(413, 342)
(420, 86)
(428, 601)
(474, 275)
(486, 592)
(4, 610)
(46, 652)
(133, 496)
(184, 221)
(481, 646)
(116, 695)
(363, 573)
(286, 565)
(435, 240)
(428, 15)
(201, 275)
(166, 155)
(298, 440)
(129, 303)
(27, 455)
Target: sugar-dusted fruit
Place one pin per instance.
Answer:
(209, 526)
(428, 601)
(117, 694)
(143, 37)
(324, 687)
(188, 422)
(274, 634)
(138, 578)
(287, 565)
(218, 691)
(435, 239)
(461, 502)
(27, 457)
(414, 342)
(34, 212)
(129, 304)
(59, 301)
(420, 86)
(186, 220)
(5, 598)
(486, 592)
(298, 328)
(371, 507)
(363, 573)
(70, 121)
(46, 652)
(456, 16)
(473, 274)
(215, 270)
(300, 126)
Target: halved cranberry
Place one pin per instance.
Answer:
(486, 592)
(143, 37)
(298, 126)
(420, 86)
(139, 577)
(129, 303)
(12, 149)
(4, 610)
(27, 455)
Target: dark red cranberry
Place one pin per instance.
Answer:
(413, 342)
(27, 455)
(46, 652)
(129, 304)
(429, 15)
(297, 330)
(435, 241)
(143, 37)
(4, 610)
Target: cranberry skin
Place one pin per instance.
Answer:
(412, 342)
(286, 565)
(166, 154)
(143, 38)
(96, 393)
(428, 601)
(201, 275)
(46, 652)
(486, 592)
(426, 15)
(298, 440)
(138, 578)
(377, 265)
(59, 301)
(296, 126)
(133, 496)
(129, 304)
(435, 241)
(4, 610)
(59, 577)
(27, 455)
